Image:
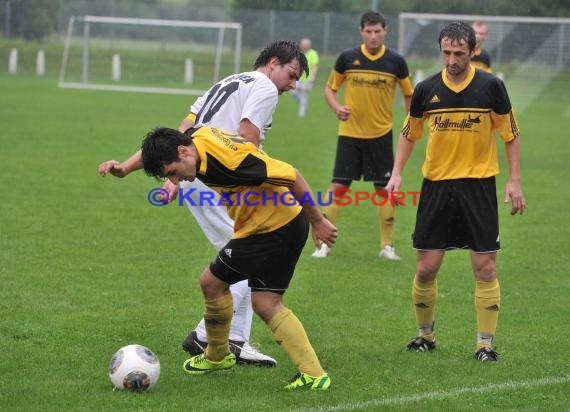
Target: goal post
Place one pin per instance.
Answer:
(528, 51)
(153, 54)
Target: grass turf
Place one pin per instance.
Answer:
(87, 265)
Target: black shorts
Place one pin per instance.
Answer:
(267, 260)
(458, 214)
(372, 159)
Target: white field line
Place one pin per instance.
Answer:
(436, 395)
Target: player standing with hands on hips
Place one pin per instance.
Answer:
(463, 107)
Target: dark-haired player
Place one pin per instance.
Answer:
(242, 103)
(463, 108)
(369, 74)
(267, 242)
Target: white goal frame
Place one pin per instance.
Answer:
(84, 84)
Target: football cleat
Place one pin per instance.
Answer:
(245, 353)
(199, 365)
(302, 380)
(321, 252)
(419, 344)
(486, 355)
(249, 355)
(389, 253)
(193, 345)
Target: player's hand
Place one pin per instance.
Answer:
(343, 113)
(171, 189)
(112, 167)
(513, 193)
(324, 232)
(393, 184)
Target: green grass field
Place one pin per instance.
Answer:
(87, 265)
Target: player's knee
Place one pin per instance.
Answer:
(487, 273)
(484, 267)
(426, 272)
(211, 286)
(265, 305)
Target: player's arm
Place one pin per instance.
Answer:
(322, 229)
(412, 130)
(403, 152)
(505, 122)
(187, 122)
(249, 132)
(257, 111)
(121, 169)
(331, 96)
(513, 189)
(134, 162)
(407, 88)
(407, 102)
(261, 168)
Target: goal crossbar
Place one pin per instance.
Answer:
(471, 17)
(159, 22)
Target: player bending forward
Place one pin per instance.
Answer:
(266, 245)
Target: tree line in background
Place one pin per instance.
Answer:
(36, 19)
(531, 8)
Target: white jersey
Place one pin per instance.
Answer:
(252, 96)
(249, 95)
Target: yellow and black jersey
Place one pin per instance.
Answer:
(482, 60)
(370, 89)
(255, 187)
(462, 120)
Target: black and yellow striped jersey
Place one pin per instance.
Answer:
(462, 120)
(482, 60)
(254, 187)
(370, 89)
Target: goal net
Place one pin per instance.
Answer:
(148, 55)
(527, 52)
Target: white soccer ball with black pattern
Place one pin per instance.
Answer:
(134, 368)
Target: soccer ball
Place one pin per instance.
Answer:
(134, 368)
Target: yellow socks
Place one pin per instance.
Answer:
(424, 296)
(290, 334)
(331, 211)
(218, 317)
(487, 303)
(386, 217)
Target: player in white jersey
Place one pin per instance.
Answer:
(242, 103)
(250, 96)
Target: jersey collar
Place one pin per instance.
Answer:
(373, 57)
(461, 86)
